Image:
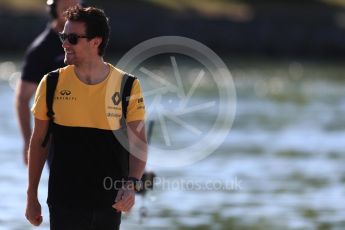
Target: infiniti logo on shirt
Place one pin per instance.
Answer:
(65, 92)
(65, 95)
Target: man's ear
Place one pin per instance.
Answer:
(96, 41)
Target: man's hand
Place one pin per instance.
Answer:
(125, 199)
(37, 157)
(33, 212)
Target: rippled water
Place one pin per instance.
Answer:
(280, 167)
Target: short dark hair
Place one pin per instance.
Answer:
(97, 23)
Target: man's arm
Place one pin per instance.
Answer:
(138, 148)
(24, 93)
(137, 160)
(37, 158)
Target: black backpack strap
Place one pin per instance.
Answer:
(52, 80)
(126, 87)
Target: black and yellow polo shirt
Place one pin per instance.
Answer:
(88, 159)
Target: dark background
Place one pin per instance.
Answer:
(253, 27)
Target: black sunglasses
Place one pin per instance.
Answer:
(71, 38)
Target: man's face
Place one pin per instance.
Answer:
(62, 6)
(76, 54)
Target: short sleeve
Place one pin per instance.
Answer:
(35, 67)
(39, 108)
(136, 105)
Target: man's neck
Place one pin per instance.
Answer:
(92, 72)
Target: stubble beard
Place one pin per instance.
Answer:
(68, 60)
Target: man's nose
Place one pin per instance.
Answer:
(65, 44)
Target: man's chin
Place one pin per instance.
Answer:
(68, 61)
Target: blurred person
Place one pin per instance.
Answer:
(86, 151)
(43, 55)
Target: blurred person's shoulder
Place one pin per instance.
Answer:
(44, 43)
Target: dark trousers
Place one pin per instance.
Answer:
(84, 219)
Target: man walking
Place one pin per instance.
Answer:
(87, 111)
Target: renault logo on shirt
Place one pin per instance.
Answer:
(65, 92)
(116, 98)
